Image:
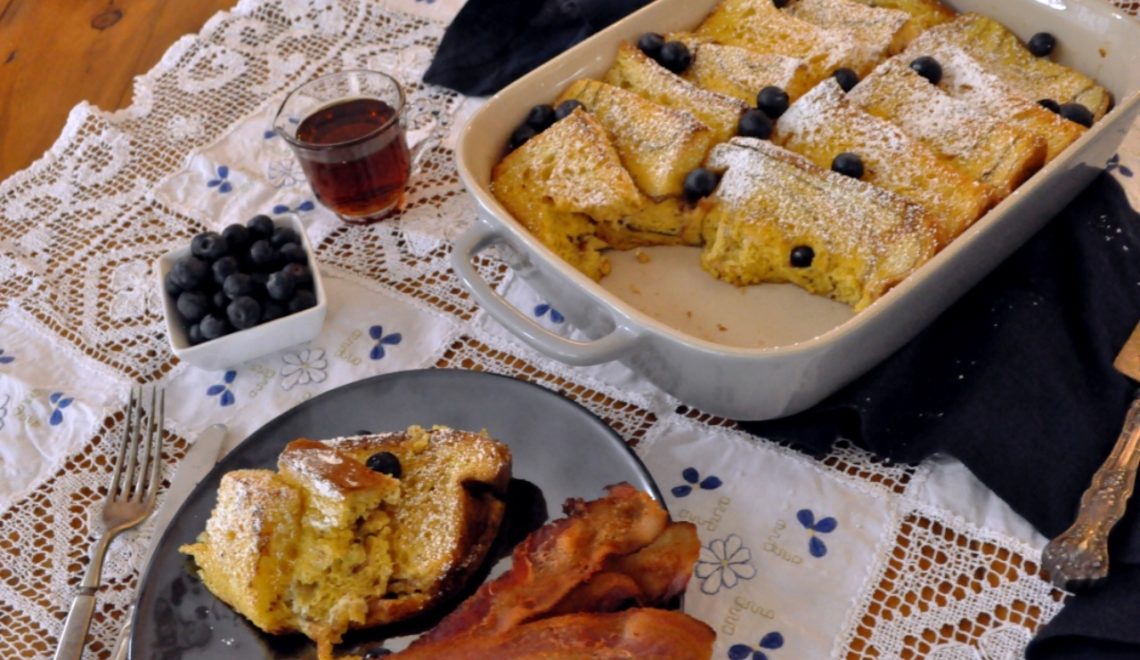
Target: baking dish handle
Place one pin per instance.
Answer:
(607, 348)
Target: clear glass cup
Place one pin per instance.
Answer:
(347, 130)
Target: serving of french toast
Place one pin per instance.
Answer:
(836, 145)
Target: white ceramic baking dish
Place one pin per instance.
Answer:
(770, 350)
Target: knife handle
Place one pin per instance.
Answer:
(1079, 556)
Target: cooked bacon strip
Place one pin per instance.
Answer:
(554, 560)
(637, 633)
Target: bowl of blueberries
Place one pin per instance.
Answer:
(247, 291)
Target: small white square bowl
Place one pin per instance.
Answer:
(243, 345)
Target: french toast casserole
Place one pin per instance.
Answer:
(834, 144)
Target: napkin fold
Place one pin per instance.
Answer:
(492, 42)
(1016, 381)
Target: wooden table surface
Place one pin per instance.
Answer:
(56, 53)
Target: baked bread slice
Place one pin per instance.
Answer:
(633, 70)
(981, 145)
(670, 221)
(659, 146)
(963, 77)
(563, 180)
(823, 124)
(326, 544)
(886, 31)
(760, 27)
(1003, 54)
(926, 13)
(741, 73)
(771, 201)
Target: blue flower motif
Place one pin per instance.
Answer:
(226, 397)
(823, 526)
(269, 134)
(691, 475)
(58, 403)
(6, 359)
(555, 315)
(1114, 164)
(306, 205)
(377, 333)
(771, 641)
(723, 563)
(221, 183)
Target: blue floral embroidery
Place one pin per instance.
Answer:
(1114, 164)
(221, 183)
(306, 205)
(58, 403)
(691, 475)
(723, 563)
(377, 333)
(223, 389)
(771, 641)
(822, 526)
(555, 316)
(6, 359)
(269, 134)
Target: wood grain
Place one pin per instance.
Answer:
(56, 53)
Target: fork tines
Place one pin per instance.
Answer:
(145, 488)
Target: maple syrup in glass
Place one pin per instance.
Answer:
(346, 132)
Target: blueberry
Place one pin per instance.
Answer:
(194, 334)
(170, 286)
(1078, 113)
(520, 136)
(848, 164)
(754, 123)
(237, 238)
(238, 285)
(192, 306)
(773, 101)
(700, 183)
(281, 286)
(219, 300)
(244, 312)
(540, 117)
(675, 56)
(847, 78)
(208, 245)
(189, 271)
(780, 4)
(272, 310)
(385, 462)
(566, 107)
(214, 326)
(650, 43)
(1042, 43)
(300, 273)
(1050, 104)
(927, 67)
(376, 654)
(262, 254)
(292, 253)
(223, 268)
(283, 235)
(303, 299)
(260, 226)
(802, 256)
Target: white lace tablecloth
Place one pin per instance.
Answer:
(802, 558)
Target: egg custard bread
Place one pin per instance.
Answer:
(759, 26)
(823, 124)
(669, 221)
(326, 544)
(964, 78)
(561, 183)
(926, 13)
(1003, 54)
(978, 143)
(634, 71)
(658, 146)
(741, 73)
(777, 217)
(885, 31)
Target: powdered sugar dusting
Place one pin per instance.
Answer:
(874, 26)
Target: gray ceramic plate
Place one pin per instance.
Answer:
(560, 450)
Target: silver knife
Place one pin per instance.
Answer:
(201, 456)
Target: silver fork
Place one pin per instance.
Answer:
(130, 500)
